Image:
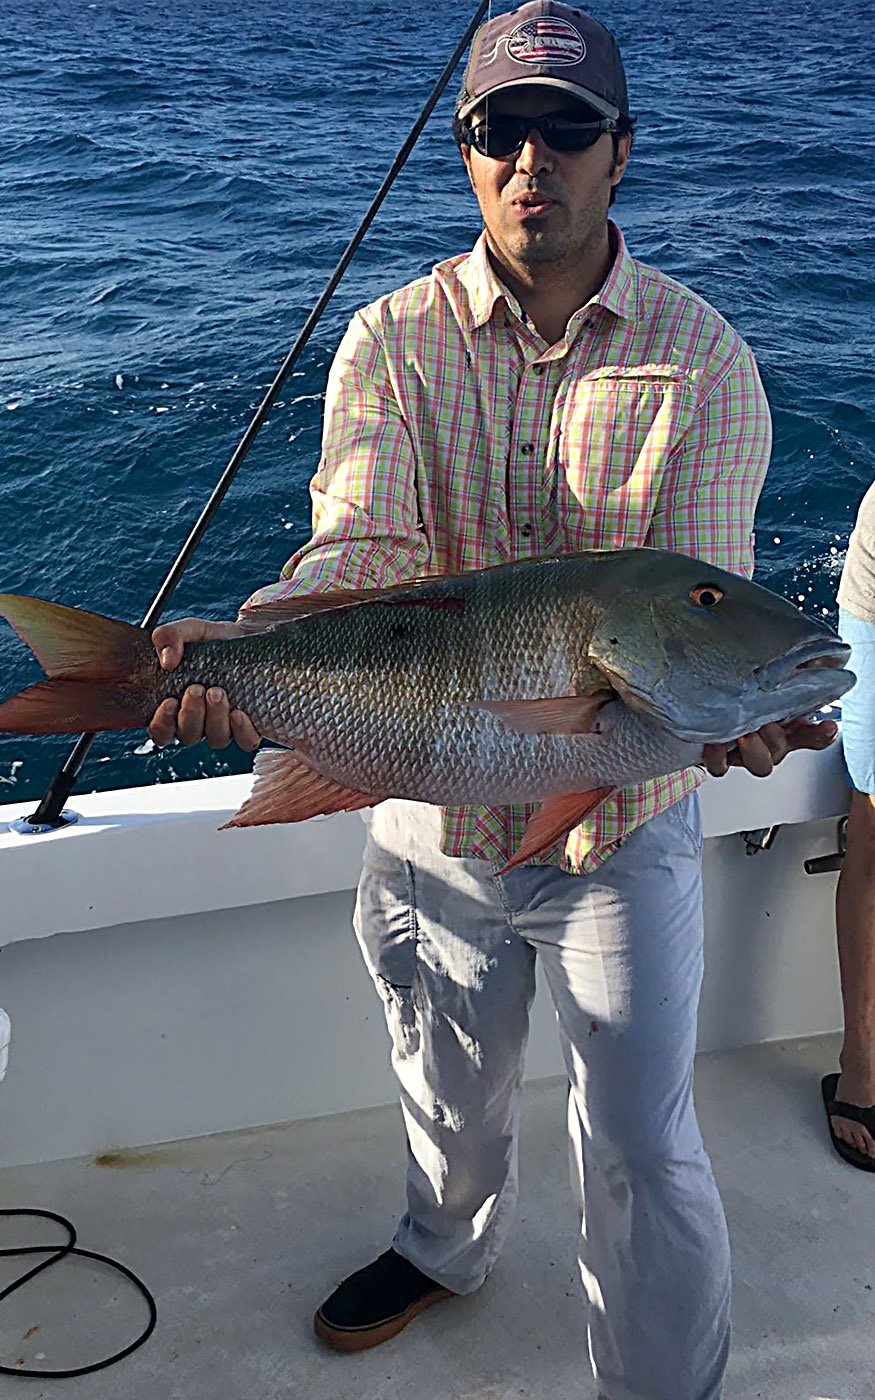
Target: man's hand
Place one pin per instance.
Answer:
(198, 716)
(760, 751)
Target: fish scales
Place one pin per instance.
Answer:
(385, 691)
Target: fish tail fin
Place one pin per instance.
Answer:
(102, 673)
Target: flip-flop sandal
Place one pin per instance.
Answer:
(866, 1116)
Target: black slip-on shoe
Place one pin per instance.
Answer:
(866, 1116)
(376, 1303)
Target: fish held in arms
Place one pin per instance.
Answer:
(552, 680)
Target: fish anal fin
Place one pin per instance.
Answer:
(288, 789)
(553, 820)
(563, 714)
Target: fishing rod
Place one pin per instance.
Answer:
(50, 815)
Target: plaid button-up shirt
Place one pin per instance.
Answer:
(456, 438)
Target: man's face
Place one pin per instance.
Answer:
(540, 205)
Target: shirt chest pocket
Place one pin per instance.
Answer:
(618, 430)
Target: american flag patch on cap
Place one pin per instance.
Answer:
(546, 40)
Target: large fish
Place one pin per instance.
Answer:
(551, 680)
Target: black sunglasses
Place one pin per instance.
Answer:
(503, 134)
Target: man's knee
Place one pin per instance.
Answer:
(640, 1137)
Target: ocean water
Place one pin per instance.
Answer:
(177, 182)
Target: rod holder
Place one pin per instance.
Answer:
(821, 865)
(28, 826)
(759, 840)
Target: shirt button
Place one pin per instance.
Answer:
(526, 530)
(538, 369)
(527, 449)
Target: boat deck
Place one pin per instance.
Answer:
(240, 1235)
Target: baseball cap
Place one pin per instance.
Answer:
(553, 45)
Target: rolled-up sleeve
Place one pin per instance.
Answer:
(714, 476)
(366, 527)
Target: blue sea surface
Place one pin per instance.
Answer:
(177, 182)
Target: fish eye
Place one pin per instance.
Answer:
(706, 595)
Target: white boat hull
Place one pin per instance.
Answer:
(210, 981)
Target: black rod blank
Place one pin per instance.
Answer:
(49, 812)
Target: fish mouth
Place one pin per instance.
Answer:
(800, 682)
(808, 656)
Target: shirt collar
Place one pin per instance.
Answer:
(481, 284)
(618, 294)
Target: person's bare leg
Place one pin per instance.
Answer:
(855, 924)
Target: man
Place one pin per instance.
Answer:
(849, 1096)
(544, 393)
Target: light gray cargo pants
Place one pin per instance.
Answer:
(452, 951)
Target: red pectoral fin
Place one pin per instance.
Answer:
(288, 790)
(563, 714)
(553, 820)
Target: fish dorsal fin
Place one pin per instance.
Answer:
(275, 611)
(287, 789)
(562, 714)
(553, 820)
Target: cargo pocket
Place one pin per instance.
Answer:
(688, 815)
(385, 925)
